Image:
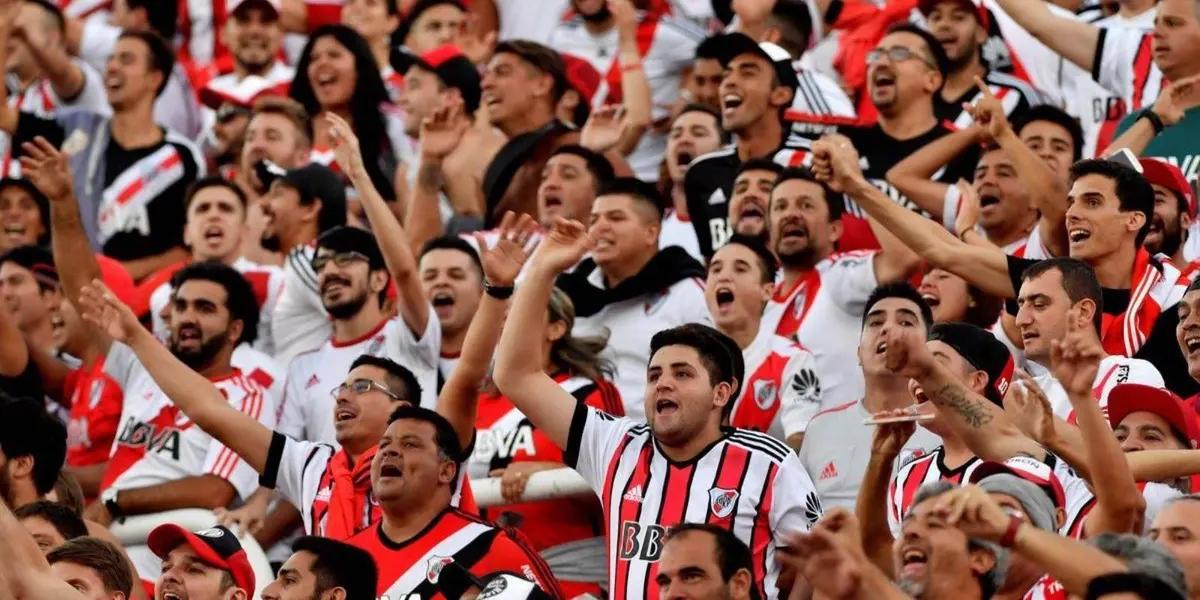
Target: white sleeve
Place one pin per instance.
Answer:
(1130, 370)
(795, 506)
(422, 355)
(266, 338)
(121, 364)
(91, 96)
(850, 279)
(800, 393)
(158, 301)
(225, 463)
(98, 40)
(691, 306)
(286, 469)
(592, 443)
(292, 419)
(1116, 51)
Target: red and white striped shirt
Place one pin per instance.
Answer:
(747, 482)
(782, 390)
(1124, 63)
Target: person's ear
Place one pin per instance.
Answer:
(555, 331)
(933, 82)
(836, 229)
(21, 467)
(739, 584)
(723, 393)
(234, 333)
(1135, 219)
(781, 95)
(379, 280)
(1087, 309)
(981, 560)
(447, 472)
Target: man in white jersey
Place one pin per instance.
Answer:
(682, 465)
(820, 297)
(666, 46)
(216, 217)
(629, 289)
(47, 77)
(354, 273)
(781, 387)
(452, 278)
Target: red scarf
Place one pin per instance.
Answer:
(349, 494)
(1156, 284)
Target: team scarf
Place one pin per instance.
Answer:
(348, 496)
(1156, 285)
(125, 203)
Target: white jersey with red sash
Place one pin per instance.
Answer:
(1156, 285)
(823, 311)
(1113, 371)
(782, 390)
(200, 20)
(747, 482)
(666, 45)
(1124, 63)
(228, 89)
(125, 203)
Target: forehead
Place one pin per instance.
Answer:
(797, 188)
(695, 548)
(300, 561)
(756, 175)
(706, 65)
(507, 59)
(566, 159)
(995, 157)
(1144, 418)
(183, 552)
(11, 268)
(130, 44)
(418, 73)
(215, 193)
(732, 252)
(67, 570)
(327, 43)
(1094, 183)
(748, 59)
(692, 118)
(40, 524)
(1181, 513)
(944, 349)
(1176, 8)
(13, 192)
(609, 202)
(1047, 282)
(949, 8)
(1045, 129)
(669, 355)
(368, 372)
(891, 306)
(441, 12)
(906, 39)
(411, 427)
(201, 289)
(270, 120)
(446, 258)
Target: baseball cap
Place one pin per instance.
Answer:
(732, 45)
(1128, 398)
(983, 351)
(312, 181)
(217, 547)
(1026, 469)
(454, 580)
(582, 76)
(232, 6)
(1161, 172)
(352, 239)
(455, 70)
(927, 6)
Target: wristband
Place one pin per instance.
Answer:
(1010, 535)
(1155, 121)
(637, 66)
(109, 497)
(499, 292)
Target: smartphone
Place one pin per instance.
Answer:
(1127, 158)
(915, 418)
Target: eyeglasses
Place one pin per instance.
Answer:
(898, 54)
(361, 386)
(341, 259)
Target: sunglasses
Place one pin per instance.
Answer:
(898, 54)
(341, 259)
(361, 386)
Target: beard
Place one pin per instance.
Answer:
(599, 16)
(803, 258)
(348, 307)
(202, 357)
(270, 242)
(1172, 238)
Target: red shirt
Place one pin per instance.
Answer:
(95, 401)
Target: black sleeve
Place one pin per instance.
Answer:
(29, 126)
(1099, 52)
(270, 472)
(26, 385)
(696, 190)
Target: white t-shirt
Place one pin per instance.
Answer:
(518, 20)
(631, 323)
(1114, 370)
(41, 100)
(307, 404)
(265, 280)
(679, 232)
(781, 390)
(824, 313)
(300, 322)
(670, 52)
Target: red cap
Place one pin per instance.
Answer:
(583, 77)
(981, 15)
(1133, 397)
(1029, 469)
(1161, 172)
(217, 547)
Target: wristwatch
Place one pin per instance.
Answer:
(1155, 121)
(109, 498)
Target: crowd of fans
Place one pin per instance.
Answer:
(548, 299)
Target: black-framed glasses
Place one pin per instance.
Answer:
(341, 259)
(898, 54)
(361, 386)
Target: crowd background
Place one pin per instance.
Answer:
(777, 298)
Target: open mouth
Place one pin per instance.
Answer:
(684, 158)
(1028, 336)
(724, 297)
(325, 80)
(931, 299)
(342, 415)
(1078, 235)
(751, 211)
(171, 596)
(665, 406)
(442, 299)
(188, 333)
(14, 230)
(552, 200)
(214, 234)
(1192, 343)
(986, 200)
(881, 347)
(795, 231)
(913, 560)
(730, 102)
(390, 470)
(883, 78)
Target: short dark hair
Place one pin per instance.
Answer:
(637, 189)
(794, 22)
(55, 12)
(709, 48)
(239, 296)
(410, 19)
(720, 355)
(935, 48)
(453, 242)
(904, 291)
(213, 181)
(162, 58)
(62, 518)
(445, 437)
(541, 58)
(400, 381)
(1053, 114)
(1078, 281)
(1133, 191)
(835, 201)
(26, 429)
(760, 164)
(710, 111)
(36, 260)
(105, 559)
(732, 554)
(766, 260)
(340, 565)
(162, 16)
(599, 166)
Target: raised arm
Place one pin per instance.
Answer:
(1175, 98)
(393, 241)
(196, 396)
(836, 162)
(440, 135)
(1047, 190)
(1028, 407)
(871, 506)
(894, 261)
(459, 398)
(64, 75)
(635, 88)
(1075, 361)
(913, 176)
(1073, 39)
(982, 425)
(9, 115)
(519, 373)
(23, 566)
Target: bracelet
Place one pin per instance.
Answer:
(110, 504)
(1155, 121)
(499, 292)
(637, 66)
(1010, 535)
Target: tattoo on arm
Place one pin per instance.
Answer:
(956, 398)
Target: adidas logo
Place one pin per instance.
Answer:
(634, 495)
(829, 472)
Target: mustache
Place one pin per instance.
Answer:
(332, 279)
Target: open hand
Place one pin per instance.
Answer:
(442, 131)
(504, 260)
(564, 246)
(907, 355)
(1075, 359)
(1029, 409)
(102, 309)
(47, 168)
(974, 512)
(1177, 98)
(248, 518)
(345, 146)
(604, 128)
